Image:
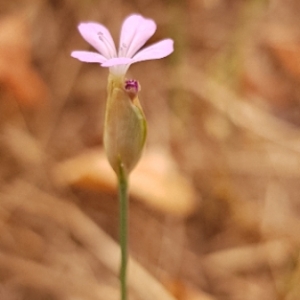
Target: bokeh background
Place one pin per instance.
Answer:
(214, 209)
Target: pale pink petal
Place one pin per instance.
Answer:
(155, 51)
(90, 57)
(99, 37)
(117, 61)
(136, 31)
(119, 70)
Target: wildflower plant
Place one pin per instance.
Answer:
(125, 125)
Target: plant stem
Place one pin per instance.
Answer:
(123, 200)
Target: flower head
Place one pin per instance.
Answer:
(136, 30)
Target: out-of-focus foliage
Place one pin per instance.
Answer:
(214, 210)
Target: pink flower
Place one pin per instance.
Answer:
(136, 30)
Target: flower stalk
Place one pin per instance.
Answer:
(123, 202)
(124, 138)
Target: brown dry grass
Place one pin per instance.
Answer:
(223, 112)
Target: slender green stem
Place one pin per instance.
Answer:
(123, 199)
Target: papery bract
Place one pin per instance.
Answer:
(125, 127)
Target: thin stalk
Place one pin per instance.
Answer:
(123, 200)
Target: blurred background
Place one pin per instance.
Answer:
(214, 202)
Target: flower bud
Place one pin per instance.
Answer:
(125, 126)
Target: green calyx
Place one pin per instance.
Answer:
(125, 126)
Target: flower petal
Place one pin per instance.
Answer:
(90, 57)
(118, 66)
(135, 32)
(155, 51)
(117, 61)
(99, 37)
